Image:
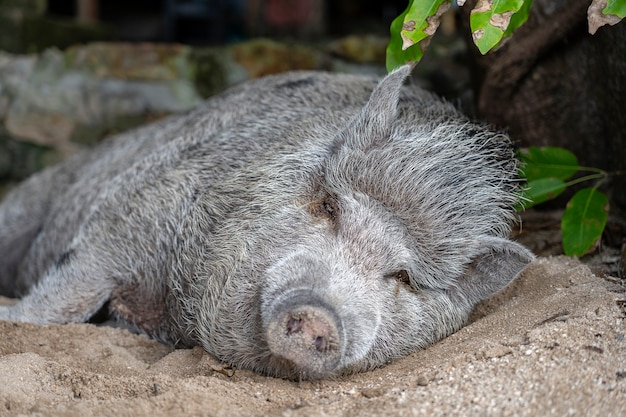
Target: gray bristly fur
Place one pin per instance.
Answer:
(379, 208)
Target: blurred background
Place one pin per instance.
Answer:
(75, 71)
(33, 25)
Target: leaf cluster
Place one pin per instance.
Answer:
(491, 22)
(548, 171)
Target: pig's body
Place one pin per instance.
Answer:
(286, 226)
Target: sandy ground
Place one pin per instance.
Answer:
(551, 345)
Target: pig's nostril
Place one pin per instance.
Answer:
(320, 343)
(294, 325)
(298, 324)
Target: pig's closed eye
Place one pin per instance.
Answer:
(401, 276)
(329, 208)
(325, 208)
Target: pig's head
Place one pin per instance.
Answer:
(399, 235)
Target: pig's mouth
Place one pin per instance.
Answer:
(306, 334)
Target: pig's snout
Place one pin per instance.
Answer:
(307, 333)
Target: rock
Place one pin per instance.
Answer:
(131, 61)
(78, 95)
(259, 57)
(361, 48)
(58, 100)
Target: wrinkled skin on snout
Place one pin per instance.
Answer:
(305, 225)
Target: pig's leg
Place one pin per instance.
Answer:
(22, 213)
(72, 290)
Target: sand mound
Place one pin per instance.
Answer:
(551, 344)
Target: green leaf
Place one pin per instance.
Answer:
(412, 30)
(543, 189)
(616, 7)
(396, 56)
(491, 19)
(584, 220)
(519, 18)
(547, 162)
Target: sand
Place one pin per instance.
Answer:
(552, 344)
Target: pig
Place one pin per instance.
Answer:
(305, 225)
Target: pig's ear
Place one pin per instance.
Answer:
(373, 123)
(496, 263)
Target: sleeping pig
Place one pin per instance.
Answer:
(303, 225)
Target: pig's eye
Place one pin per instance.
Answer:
(329, 208)
(325, 208)
(401, 276)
